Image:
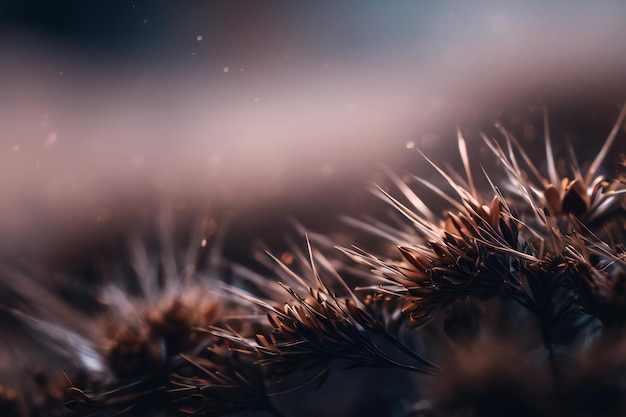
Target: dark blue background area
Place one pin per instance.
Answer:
(106, 27)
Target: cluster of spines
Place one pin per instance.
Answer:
(482, 291)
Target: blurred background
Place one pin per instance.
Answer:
(275, 109)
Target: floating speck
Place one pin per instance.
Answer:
(199, 38)
(203, 243)
(257, 99)
(214, 160)
(16, 148)
(287, 258)
(51, 139)
(60, 73)
(145, 21)
(103, 214)
(499, 24)
(226, 69)
(137, 161)
(327, 170)
(410, 144)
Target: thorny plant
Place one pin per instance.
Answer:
(511, 303)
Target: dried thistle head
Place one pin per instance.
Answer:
(120, 355)
(317, 330)
(471, 253)
(586, 195)
(493, 246)
(553, 259)
(144, 338)
(130, 351)
(176, 320)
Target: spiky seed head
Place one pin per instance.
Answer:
(176, 321)
(131, 351)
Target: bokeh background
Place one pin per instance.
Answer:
(274, 109)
